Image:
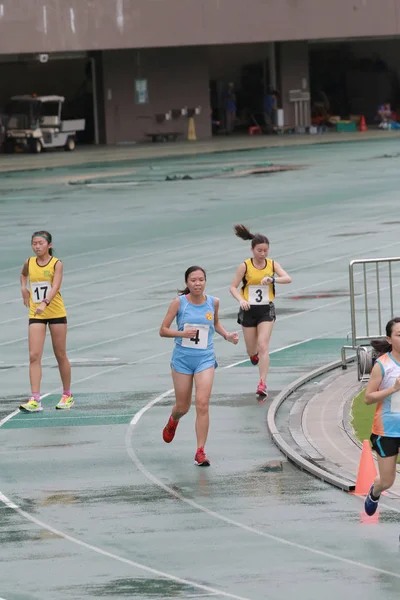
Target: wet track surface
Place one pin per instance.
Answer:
(96, 508)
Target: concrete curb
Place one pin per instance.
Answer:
(304, 464)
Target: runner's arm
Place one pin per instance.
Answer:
(283, 277)
(24, 275)
(57, 281)
(165, 329)
(238, 278)
(373, 394)
(220, 329)
(24, 283)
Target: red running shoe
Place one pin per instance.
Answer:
(201, 459)
(254, 359)
(169, 430)
(262, 390)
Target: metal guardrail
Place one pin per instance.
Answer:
(376, 306)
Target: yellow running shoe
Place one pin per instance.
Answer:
(65, 402)
(31, 406)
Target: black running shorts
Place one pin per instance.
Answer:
(57, 321)
(256, 315)
(385, 446)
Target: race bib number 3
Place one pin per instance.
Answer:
(258, 295)
(39, 291)
(200, 340)
(395, 403)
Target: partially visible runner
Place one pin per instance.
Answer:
(193, 358)
(257, 277)
(383, 389)
(46, 307)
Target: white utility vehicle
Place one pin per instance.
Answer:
(34, 123)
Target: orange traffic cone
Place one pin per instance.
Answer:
(366, 471)
(363, 125)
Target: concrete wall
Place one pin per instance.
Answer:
(59, 25)
(176, 78)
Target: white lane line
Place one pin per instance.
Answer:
(17, 340)
(8, 503)
(111, 555)
(137, 333)
(240, 362)
(89, 377)
(196, 596)
(152, 329)
(136, 290)
(208, 242)
(284, 295)
(76, 417)
(83, 544)
(111, 248)
(8, 417)
(153, 356)
(112, 316)
(157, 482)
(164, 251)
(156, 268)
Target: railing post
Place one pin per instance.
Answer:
(352, 304)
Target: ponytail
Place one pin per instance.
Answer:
(243, 233)
(184, 292)
(381, 346)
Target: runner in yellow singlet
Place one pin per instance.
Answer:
(257, 276)
(46, 307)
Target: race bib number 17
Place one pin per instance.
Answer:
(40, 291)
(200, 340)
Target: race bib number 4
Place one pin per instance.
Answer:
(40, 291)
(395, 403)
(200, 340)
(258, 294)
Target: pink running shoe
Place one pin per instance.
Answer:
(262, 390)
(201, 459)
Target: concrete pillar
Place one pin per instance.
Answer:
(294, 75)
(272, 64)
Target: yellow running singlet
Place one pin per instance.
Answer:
(40, 281)
(253, 277)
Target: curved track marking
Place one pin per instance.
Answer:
(116, 557)
(157, 482)
(11, 505)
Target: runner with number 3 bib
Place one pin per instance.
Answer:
(258, 276)
(193, 358)
(46, 307)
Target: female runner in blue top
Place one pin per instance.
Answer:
(193, 358)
